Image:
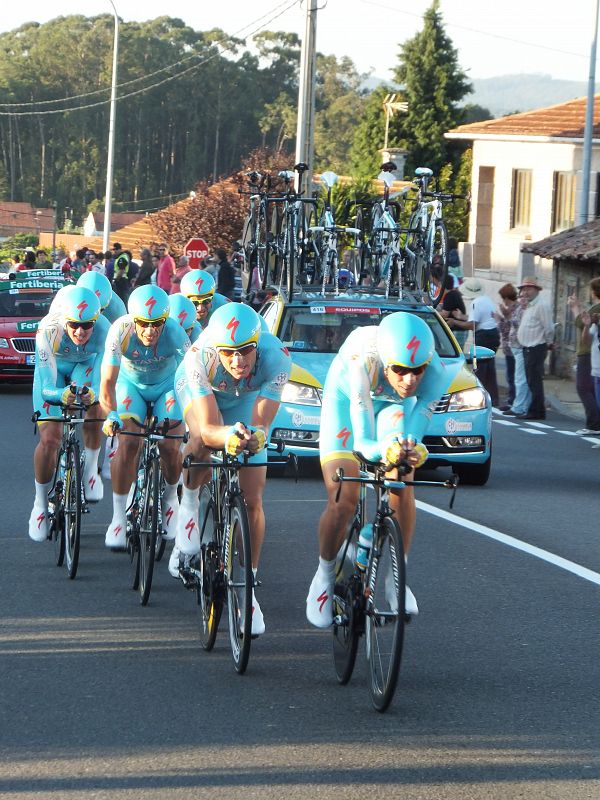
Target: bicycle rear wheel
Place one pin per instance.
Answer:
(346, 609)
(437, 259)
(385, 613)
(306, 261)
(56, 511)
(148, 529)
(72, 508)
(209, 587)
(238, 577)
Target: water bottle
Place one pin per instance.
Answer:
(365, 540)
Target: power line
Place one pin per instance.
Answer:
(287, 6)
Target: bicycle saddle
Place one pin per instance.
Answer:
(423, 172)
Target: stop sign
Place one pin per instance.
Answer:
(196, 250)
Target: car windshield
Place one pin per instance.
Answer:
(324, 329)
(34, 303)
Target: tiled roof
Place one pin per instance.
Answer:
(577, 244)
(563, 121)
(23, 217)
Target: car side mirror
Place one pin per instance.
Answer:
(479, 353)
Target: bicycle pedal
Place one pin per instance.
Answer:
(187, 578)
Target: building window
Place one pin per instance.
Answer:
(563, 205)
(520, 212)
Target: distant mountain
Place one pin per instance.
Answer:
(508, 94)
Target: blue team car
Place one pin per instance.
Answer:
(313, 326)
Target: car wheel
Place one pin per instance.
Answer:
(474, 474)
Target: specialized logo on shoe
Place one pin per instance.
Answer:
(117, 530)
(169, 515)
(344, 435)
(190, 527)
(40, 519)
(111, 454)
(413, 345)
(92, 482)
(322, 599)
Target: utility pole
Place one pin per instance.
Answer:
(305, 132)
(584, 200)
(111, 135)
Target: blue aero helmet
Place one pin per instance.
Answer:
(197, 283)
(234, 325)
(80, 305)
(182, 310)
(99, 284)
(405, 340)
(148, 303)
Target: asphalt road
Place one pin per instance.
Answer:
(102, 698)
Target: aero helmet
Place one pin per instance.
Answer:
(99, 284)
(80, 305)
(148, 303)
(345, 278)
(405, 339)
(182, 310)
(197, 283)
(234, 325)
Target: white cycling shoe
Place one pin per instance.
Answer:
(258, 621)
(93, 487)
(38, 524)
(174, 562)
(170, 515)
(319, 603)
(116, 535)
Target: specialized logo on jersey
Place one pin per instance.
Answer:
(322, 599)
(344, 435)
(232, 326)
(127, 402)
(285, 350)
(46, 407)
(88, 371)
(396, 417)
(150, 303)
(82, 307)
(413, 345)
(170, 402)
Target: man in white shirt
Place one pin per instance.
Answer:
(535, 335)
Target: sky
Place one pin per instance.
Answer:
(492, 38)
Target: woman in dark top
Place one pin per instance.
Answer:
(147, 268)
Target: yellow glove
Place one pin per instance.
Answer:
(67, 397)
(232, 442)
(261, 439)
(393, 453)
(422, 452)
(113, 420)
(89, 397)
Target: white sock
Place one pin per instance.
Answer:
(170, 495)
(327, 568)
(41, 493)
(190, 497)
(91, 461)
(119, 506)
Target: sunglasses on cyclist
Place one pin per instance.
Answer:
(197, 302)
(406, 370)
(85, 326)
(150, 323)
(242, 351)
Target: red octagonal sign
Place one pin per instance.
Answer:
(196, 250)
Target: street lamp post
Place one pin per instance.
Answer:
(588, 133)
(111, 135)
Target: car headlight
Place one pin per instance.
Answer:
(301, 394)
(467, 400)
(4, 343)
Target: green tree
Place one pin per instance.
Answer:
(434, 84)
(365, 156)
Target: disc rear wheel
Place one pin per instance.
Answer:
(348, 611)
(209, 586)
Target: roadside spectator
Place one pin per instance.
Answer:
(182, 269)
(28, 261)
(125, 272)
(155, 260)
(79, 263)
(147, 268)
(452, 300)
(454, 265)
(506, 308)
(115, 252)
(584, 379)
(166, 268)
(535, 335)
(590, 334)
(481, 321)
(226, 275)
(522, 399)
(94, 264)
(42, 261)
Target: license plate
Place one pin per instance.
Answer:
(30, 359)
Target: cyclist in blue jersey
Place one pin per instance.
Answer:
(229, 387)
(183, 311)
(69, 345)
(110, 302)
(143, 350)
(377, 400)
(199, 285)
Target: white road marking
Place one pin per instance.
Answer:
(510, 541)
(539, 425)
(534, 432)
(592, 439)
(566, 433)
(506, 422)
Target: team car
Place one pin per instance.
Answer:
(25, 298)
(313, 327)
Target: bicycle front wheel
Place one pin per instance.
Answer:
(385, 613)
(437, 257)
(209, 586)
(238, 577)
(72, 508)
(148, 530)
